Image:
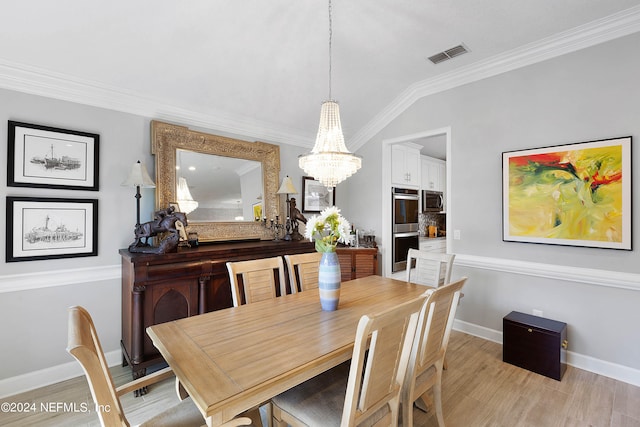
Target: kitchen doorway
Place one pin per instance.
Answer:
(436, 143)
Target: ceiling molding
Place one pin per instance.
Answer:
(596, 32)
(38, 81)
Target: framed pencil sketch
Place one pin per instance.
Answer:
(575, 194)
(41, 228)
(47, 157)
(315, 196)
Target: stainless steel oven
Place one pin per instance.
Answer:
(406, 208)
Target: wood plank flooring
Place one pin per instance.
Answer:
(478, 388)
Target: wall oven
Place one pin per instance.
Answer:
(406, 208)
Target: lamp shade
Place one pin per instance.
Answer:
(139, 177)
(287, 187)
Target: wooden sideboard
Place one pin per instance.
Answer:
(357, 262)
(160, 288)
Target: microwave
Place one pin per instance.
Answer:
(432, 201)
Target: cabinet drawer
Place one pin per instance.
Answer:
(535, 343)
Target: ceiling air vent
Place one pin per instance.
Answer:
(448, 54)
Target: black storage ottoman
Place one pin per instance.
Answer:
(535, 343)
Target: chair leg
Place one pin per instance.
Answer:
(437, 401)
(277, 417)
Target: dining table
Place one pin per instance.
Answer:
(235, 359)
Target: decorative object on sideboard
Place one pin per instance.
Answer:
(296, 216)
(138, 177)
(274, 226)
(287, 188)
(329, 161)
(164, 221)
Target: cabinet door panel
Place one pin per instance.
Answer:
(365, 265)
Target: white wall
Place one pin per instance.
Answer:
(587, 95)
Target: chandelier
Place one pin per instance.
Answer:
(329, 161)
(185, 200)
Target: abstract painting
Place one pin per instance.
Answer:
(574, 194)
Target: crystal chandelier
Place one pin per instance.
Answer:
(330, 162)
(185, 200)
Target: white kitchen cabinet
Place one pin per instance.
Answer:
(405, 165)
(433, 174)
(438, 245)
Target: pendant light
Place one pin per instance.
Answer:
(330, 162)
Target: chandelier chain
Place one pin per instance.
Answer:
(330, 37)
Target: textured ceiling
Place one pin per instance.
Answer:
(262, 64)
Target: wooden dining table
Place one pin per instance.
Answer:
(235, 359)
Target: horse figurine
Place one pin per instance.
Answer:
(165, 220)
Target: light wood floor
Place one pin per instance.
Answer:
(479, 390)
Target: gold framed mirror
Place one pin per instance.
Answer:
(176, 148)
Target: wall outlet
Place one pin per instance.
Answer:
(537, 313)
(456, 234)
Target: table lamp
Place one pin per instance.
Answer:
(139, 177)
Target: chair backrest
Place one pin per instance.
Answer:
(430, 343)
(84, 345)
(379, 365)
(258, 279)
(303, 271)
(431, 268)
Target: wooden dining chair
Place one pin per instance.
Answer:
(365, 391)
(303, 270)
(429, 268)
(428, 352)
(258, 280)
(84, 345)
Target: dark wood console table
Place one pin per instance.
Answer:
(160, 288)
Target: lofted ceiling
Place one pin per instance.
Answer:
(260, 68)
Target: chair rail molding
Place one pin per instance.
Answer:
(53, 278)
(590, 276)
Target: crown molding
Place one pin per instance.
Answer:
(587, 35)
(42, 82)
(38, 81)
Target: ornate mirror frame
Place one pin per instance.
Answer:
(167, 138)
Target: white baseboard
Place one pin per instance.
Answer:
(577, 360)
(55, 374)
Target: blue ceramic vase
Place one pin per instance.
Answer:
(329, 281)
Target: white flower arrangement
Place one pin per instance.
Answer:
(327, 229)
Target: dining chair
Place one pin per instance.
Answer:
(366, 390)
(258, 280)
(303, 270)
(431, 268)
(428, 352)
(84, 345)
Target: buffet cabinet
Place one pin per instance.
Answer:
(357, 262)
(158, 288)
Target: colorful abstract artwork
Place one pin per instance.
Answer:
(576, 194)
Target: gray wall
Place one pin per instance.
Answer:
(34, 322)
(587, 95)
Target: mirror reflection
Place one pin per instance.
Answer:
(217, 188)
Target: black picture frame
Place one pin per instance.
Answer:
(572, 194)
(49, 157)
(315, 196)
(42, 228)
